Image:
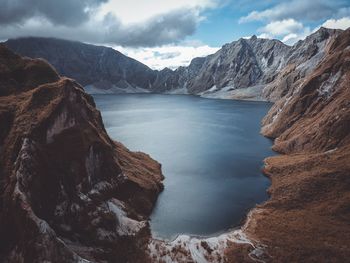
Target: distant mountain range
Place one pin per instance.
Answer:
(97, 68)
(254, 68)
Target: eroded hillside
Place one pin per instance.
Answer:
(68, 192)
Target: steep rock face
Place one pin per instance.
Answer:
(317, 109)
(260, 68)
(168, 80)
(257, 69)
(249, 68)
(238, 65)
(98, 68)
(68, 191)
(307, 217)
(300, 61)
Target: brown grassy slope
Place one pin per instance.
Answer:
(20, 74)
(59, 168)
(307, 217)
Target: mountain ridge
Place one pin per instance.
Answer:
(99, 67)
(68, 191)
(242, 69)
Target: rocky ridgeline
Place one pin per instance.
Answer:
(68, 192)
(99, 69)
(306, 218)
(254, 68)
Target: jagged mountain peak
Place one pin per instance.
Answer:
(167, 69)
(197, 61)
(324, 32)
(326, 88)
(246, 67)
(318, 36)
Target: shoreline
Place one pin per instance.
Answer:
(210, 249)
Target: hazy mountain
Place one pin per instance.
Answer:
(254, 68)
(99, 68)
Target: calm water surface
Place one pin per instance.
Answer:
(211, 154)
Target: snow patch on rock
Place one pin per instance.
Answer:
(24, 169)
(126, 226)
(204, 250)
(311, 64)
(100, 187)
(328, 86)
(230, 92)
(61, 122)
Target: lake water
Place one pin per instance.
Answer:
(211, 154)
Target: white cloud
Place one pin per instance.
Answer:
(134, 11)
(253, 16)
(297, 9)
(283, 27)
(291, 38)
(265, 35)
(342, 23)
(286, 20)
(168, 56)
(288, 31)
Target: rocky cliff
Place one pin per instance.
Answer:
(68, 192)
(258, 69)
(254, 68)
(307, 217)
(239, 65)
(301, 60)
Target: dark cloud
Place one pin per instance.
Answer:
(61, 12)
(171, 27)
(163, 29)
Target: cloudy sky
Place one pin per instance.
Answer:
(169, 33)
